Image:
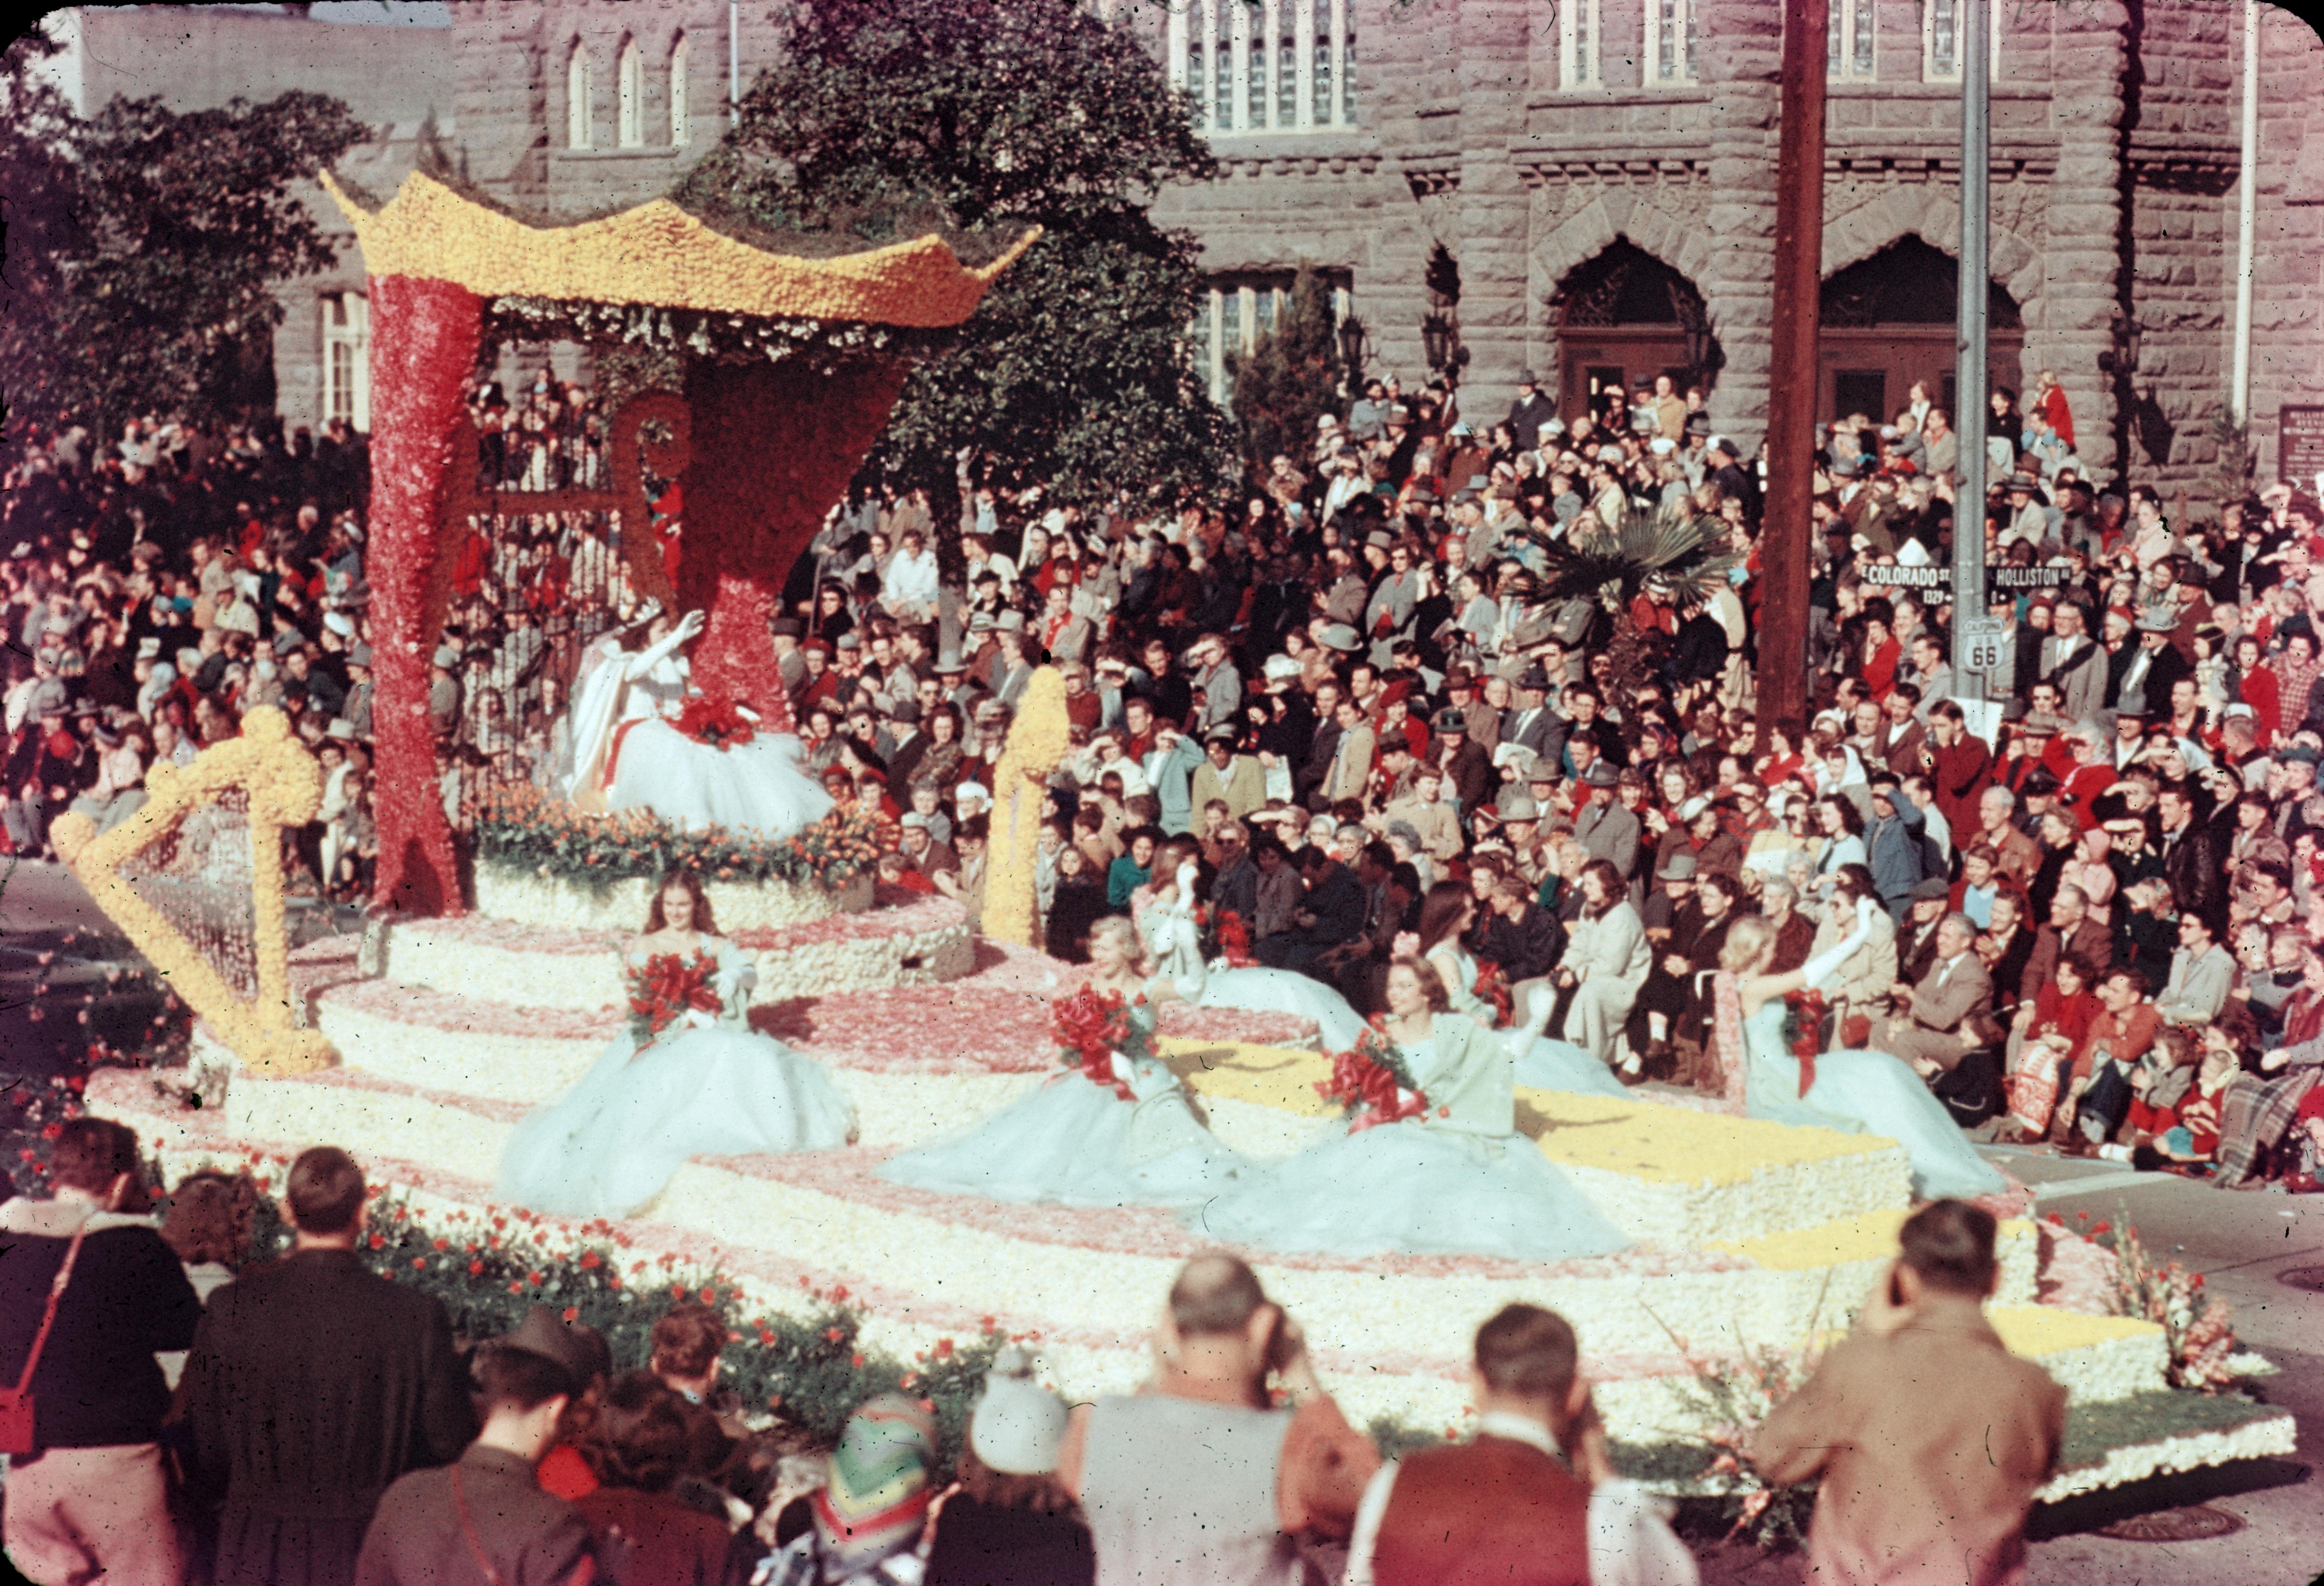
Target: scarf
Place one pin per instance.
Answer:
(875, 1500)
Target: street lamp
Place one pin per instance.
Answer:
(1352, 347)
(1440, 342)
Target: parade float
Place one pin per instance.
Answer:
(477, 994)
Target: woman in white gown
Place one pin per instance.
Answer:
(1078, 1141)
(1544, 1062)
(1456, 1179)
(1856, 1092)
(628, 753)
(687, 1082)
(1165, 915)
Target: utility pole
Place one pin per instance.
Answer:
(1976, 636)
(1786, 525)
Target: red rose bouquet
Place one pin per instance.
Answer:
(1091, 1026)
(667, 987)
(1235, 940)
(1804, 1013)
(719, 722)
(1493, 986)
(1371, 1084)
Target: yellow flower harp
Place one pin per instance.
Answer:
(284, 786)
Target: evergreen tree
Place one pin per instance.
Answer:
(981, 118)
(142, 246)
(1289, 379)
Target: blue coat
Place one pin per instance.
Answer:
(1893, 850)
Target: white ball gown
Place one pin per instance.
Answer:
(705, 1084)
(1544, 1062)
(1857, 1093)
(1459, 1181)
(1077, 1142)
(628, 754)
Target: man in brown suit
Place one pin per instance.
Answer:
(1945, 1016)
(2071, 932)
(1930, 1437)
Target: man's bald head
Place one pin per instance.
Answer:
(1215, 1295)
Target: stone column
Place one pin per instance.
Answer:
(2085, 255)
(1741, 57)
(1495, 208)
(1405, 67)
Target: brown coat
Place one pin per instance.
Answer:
(1494, 1510)
(1931, 1443)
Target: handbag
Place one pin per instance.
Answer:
(16, 1403)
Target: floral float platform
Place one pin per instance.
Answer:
(1743, 1232)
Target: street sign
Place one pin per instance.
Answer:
(1984, 638)
(2299, 444)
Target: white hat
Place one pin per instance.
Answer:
(913, 819)
(1017, 1425)
(971, 790)
(339, 623)
(1281, 669)
(1662, 446)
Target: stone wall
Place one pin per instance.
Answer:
(2114, 139)
(2288, 273)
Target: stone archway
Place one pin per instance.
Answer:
(1889, 323)
(1634, 218)
(1622, 317)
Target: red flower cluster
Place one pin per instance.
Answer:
(1803, 1027)
(666, 989)
(1493, 986)
(1235, 940)
(1089, 1027)
(1370, 1084)
(719, 722)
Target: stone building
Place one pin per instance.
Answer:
(1580, 188)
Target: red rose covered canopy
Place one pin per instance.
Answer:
(768, 442)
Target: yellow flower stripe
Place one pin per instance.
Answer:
(656, 254)
(1639, 1140)
(1038, 742)
(2034, 1331)
(285, 788)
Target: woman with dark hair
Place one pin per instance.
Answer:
(689, 1078)
(939, 765)
(644, 1533)
(1450, 1176)
(1447, 913)
(1164, 909)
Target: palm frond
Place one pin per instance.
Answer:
(1674, 552)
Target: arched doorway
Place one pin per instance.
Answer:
(1623, 317)
(1889, 320)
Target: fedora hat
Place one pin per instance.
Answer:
(542, 1333)
(1602, 774)
(2152, 621)
(1340, 637)
(1678, 867)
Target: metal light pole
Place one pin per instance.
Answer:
(1786, 519)
(1970, 623)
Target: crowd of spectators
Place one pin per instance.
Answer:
(1343, 686)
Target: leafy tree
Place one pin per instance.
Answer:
(1671, 552)
(985, 117)
(140, 278)
(1290, 379)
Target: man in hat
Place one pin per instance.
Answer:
(1916, 933)
(485, 1518)
(2145, 685)
(2072, 662)
(1529, 413)
(1532, 726)
(356, 708)
(312, 1386)
(1467, 768)
(1605, 827)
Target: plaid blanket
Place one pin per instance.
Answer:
(2255, 1119)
